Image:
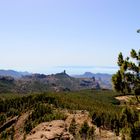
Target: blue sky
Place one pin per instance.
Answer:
(44, 35)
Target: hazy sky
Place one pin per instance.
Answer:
(40, 35)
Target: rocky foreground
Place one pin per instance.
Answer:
(59, 129)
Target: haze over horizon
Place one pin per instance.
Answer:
(72, 70)
(48, 36)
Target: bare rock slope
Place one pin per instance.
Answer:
(58, 129)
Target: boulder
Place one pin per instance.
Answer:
(50, 131)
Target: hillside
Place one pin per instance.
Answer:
(55, 82)
(89, 114)
(51, 115)
(7, 84)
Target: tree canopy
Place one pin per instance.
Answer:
(127, 78)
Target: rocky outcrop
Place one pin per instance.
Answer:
(53, 130)
(58, 129)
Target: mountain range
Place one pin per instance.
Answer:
(13, 73)
(41, 83)
(104, 79)
(24, 82)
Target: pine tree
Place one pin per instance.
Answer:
(127, 79)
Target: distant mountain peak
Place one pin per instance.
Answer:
(64, 74)
(13, 73)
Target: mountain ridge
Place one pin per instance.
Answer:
(13, 73)
(42, 83)
(103, 78)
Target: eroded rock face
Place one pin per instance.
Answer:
(53, 130)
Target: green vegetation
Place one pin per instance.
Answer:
(6, 84)
(42, 113)
(127, 79)
(102, 105)
(91, 100)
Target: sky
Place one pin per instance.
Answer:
(48, 36)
